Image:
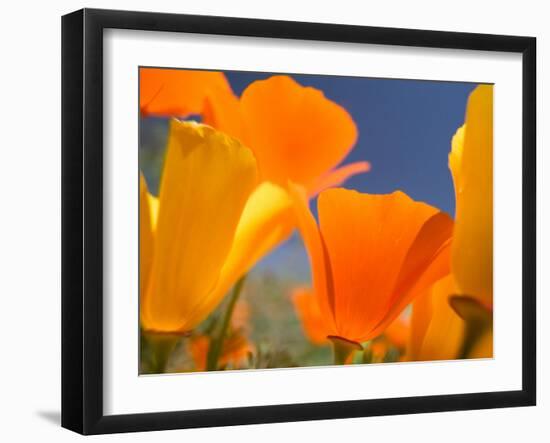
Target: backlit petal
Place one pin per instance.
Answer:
(223, 112)
(437, 332)
(455, 158)
(154, 208)
(295, 132)
(206, 181)
(427, 261)
(339, 176)
(178, 92)
(370, 239)
(422, 311)
(397, 332)
(267, 220)
(146, 236)
(315, 247)
(308, 311)
(472, 255)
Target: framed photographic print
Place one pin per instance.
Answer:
(269, 221)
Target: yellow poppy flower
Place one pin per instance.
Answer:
(471, 164)
(207, 181)
(438, 331)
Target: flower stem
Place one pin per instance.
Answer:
(161, 346)
(216, 345)
(478, 321)
(343, 348)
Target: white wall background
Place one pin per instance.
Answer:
(30, 281)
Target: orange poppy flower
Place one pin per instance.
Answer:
(236, 346)
(308, 311)
(295, 132)
(241, 316)
(235, 352)
(397, 332)
(178, 92)
(369, 255)
(307, 308)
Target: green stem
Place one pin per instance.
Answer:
(161, 346)
(343, 348)
(216, 345)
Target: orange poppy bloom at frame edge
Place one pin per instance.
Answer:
(370, 255)
(468, 289)
(180, 292)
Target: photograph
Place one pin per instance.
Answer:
(295, 220)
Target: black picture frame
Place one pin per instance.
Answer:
(82, 220)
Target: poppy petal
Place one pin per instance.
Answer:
(177, 92)
(442, 332)
(154, 209)
(455, 159)
(427, 261)
(235, 351)
(368, 238)
(339, 176)
(307, 308)
(206, 182)
(295, 132)
(267, 220)
(422, 311)
(472, 254)
(398, 332)
(146, 237)
(316, 250)
(223, 112)
(198, 347)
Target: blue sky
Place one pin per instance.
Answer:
(405, 130)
